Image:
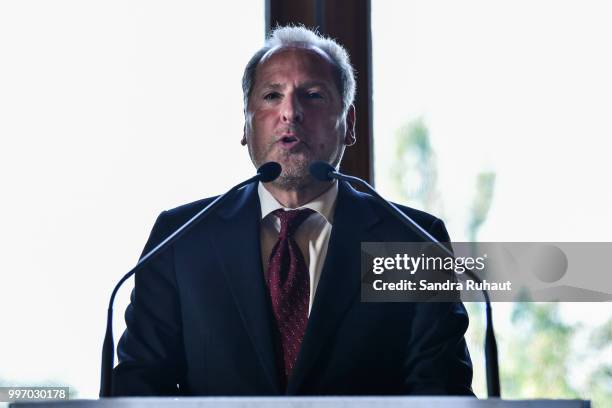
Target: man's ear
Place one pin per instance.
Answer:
(243, 141)
(350, 138)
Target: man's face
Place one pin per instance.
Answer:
(294, 114)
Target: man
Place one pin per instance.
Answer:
(262, 298)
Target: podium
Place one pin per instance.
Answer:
(305, 402)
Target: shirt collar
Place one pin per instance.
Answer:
(323, 204)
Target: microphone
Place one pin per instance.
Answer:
(265, 173)
(268, 172)
(324, 171)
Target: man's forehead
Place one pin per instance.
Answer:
(322, 73)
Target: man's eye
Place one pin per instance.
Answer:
(315, 95)
(271, 96)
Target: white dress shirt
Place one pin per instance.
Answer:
(312, 236)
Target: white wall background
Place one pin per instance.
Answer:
(110, 112)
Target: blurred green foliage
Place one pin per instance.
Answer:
(538, 352)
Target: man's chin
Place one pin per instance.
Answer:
(292, 181)
(292, 178)
(294, 167)
(295, 171)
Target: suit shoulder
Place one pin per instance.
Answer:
(182, 213)
(423, 218)
(426, 221)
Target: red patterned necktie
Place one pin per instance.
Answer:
(289, 285)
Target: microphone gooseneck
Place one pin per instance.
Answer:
(265, 173)
(324, 171)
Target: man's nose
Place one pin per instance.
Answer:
(292, 109)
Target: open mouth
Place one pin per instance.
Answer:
(288, 141)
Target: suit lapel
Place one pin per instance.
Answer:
(238, 245)
(339, 284)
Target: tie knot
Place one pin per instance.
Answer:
(291, 220)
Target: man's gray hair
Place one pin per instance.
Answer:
(300, 36)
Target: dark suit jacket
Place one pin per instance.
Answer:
(200, 320)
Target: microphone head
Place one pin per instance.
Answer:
(269, 171)
(322, 171)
